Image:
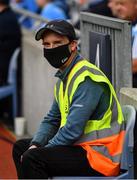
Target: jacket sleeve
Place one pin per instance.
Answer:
(48, 126)
(85, 102)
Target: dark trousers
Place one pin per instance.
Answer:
(45, 162)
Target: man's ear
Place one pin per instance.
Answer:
(73, 45)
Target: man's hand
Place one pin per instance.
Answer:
(31, 147)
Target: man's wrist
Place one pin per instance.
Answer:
(35, 143)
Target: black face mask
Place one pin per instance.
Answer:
(57, 56)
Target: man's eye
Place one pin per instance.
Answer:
(58, 43)
(46, 45)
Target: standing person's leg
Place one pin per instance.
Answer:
(18, 149)
(46, 162)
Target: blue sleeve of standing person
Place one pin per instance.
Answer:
(84, 104)
(51, 11)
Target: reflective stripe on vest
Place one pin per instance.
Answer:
(102, 138)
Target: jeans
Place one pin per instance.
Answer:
(46, 162)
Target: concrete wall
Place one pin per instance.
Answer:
(128, 96)
(38, 82)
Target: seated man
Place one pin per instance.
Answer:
(83, 133)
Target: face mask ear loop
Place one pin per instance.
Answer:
(70, 41)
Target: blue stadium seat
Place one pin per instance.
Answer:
(127, 161)
(10, 88)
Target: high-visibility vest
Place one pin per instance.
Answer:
(102, 138)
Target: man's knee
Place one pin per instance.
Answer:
(28, 156)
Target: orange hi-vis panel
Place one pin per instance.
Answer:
(100, 162)
(102, 138)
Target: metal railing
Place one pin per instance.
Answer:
(26, 13)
